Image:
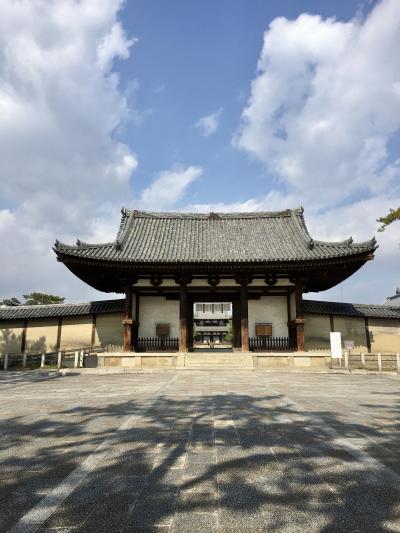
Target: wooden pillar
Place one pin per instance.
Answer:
(127, 322)
(190, 326)
(237, 342)
(183, 319)
(367, 335)
(59, 331)
(93, 337)
(23, 336)
(244, 316)
(135, 324)
(299, 320)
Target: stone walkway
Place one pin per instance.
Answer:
(199, 451)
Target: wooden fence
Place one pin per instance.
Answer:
(270, 344)
(156, 344)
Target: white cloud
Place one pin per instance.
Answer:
(325, 104)
(169, 188)
(209, 123)
(374, 281)
(61, 166)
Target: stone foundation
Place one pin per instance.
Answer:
(257, 361)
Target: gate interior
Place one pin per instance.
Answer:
(212, 325)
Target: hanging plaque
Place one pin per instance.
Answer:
(263, 330)
(162, 330)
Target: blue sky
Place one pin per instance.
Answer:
(228, 105)
(192, 59)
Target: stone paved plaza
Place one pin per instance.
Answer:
(200, 451)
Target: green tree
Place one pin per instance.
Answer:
(41, 298)
(392, 216)
(229, 333)
(11, 302)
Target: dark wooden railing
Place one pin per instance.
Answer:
(270, 344)
(157, 344)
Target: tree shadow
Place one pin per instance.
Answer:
(229, 461)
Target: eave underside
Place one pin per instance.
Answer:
(314, 276)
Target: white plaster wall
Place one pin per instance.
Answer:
(156, 309)
(269, 309)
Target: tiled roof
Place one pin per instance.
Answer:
(145, 237)
(394, 300)
(346, 309)
(57, 310)
(117, 306)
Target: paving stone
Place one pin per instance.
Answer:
(193, 522)
(243, 451)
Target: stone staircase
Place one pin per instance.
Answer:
(218, 361)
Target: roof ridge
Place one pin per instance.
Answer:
(350, 303)
(36, 306)
(211, 215)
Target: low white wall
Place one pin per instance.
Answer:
(154, 310)
(269, 309)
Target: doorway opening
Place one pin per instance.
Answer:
(213, 328)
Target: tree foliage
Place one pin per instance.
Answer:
(392, 216)
(11, 302)
(34, 298)
(41, 298)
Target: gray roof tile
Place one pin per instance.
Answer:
(347, 309)
(117, 306)
(146, 237)
(57, 310)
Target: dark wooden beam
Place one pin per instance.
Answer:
(332, 322)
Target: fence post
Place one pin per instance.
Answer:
(76, 360)
(59, 359)
(42, 360)
(6, 361)
(379, 361)
(362, 360)
(346, 359)
(24, 358)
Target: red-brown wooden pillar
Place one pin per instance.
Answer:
(127, 322)
(183, 319)
(299, 320)
(244, 316)
(237, 343)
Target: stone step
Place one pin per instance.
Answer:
(222, 361)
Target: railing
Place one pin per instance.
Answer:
(157, 344)
(270, 344)
(60, 359)
(369, 361)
